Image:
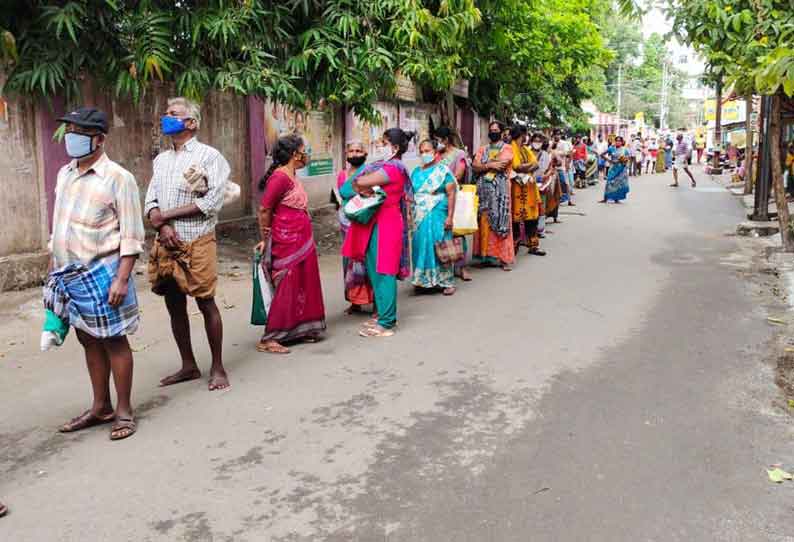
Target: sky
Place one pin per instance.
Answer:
(655, 21)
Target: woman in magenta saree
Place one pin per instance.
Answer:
(297, 311)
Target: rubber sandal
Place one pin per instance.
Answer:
(120, 425)
(84, 421)
(212, 384)
(262, 347)
(449, 291)
(376, 332)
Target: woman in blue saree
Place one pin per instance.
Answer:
(434, 188)
(617, 184)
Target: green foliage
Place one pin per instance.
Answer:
(746, 42)
(536, 58)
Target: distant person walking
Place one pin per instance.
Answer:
(617, 184)
(682, 152)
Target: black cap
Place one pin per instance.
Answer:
(87, 117)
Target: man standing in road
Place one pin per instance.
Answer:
(601, 148)
(97, 235)
(681, 153)
(183, 201)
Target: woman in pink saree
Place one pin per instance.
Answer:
(297, 311)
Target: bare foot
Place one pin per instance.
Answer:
(182, 375)
(465, 275)
(218, 381)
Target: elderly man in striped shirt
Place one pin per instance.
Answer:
(97, 234)
(184, 198)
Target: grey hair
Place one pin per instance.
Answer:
(355, 142)
(193, 109)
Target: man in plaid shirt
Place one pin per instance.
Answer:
(184, 198)
(97, 235)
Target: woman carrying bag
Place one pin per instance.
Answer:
(381, 242)
(435, 189)
(297, 312)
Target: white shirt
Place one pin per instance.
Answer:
(169, 190)
(602, 147)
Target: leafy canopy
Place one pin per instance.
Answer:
(537, 58)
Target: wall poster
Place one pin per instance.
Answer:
(315, 127)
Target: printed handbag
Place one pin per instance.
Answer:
(361, 209)
(450, 251)
(262, 293)
(464, 221)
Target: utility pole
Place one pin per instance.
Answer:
(717, 169)
(620, 93)
(663, 100)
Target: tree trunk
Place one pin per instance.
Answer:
(450, 104)
(748, 147)
(718, 128)
(777, 176)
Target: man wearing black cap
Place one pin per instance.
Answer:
(97, 235)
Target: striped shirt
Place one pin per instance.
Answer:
(169, 190)
(97, 214)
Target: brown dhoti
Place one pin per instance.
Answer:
(192, 268)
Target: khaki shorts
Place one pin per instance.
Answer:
(192, 268)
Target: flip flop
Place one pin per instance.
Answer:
(376, 332)
(123, 428)
(3, 510)
(449, 291)
(84, 421)
(212, 384)
(262, 347)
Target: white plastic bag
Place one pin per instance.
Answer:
(464, 221)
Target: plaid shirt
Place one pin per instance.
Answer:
(97, 214)
(169, 190)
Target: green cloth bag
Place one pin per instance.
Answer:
(262, 293)
(361, 209)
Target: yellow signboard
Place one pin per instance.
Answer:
(732, 111)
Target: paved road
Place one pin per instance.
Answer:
(614, 391)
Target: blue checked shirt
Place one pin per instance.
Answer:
(169, 190)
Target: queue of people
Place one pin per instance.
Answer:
(395, 224)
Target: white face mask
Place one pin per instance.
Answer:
(536, 145)
(384, 152)
(441, 147)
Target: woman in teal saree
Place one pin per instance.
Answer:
(434, 188)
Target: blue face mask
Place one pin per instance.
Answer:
(428, 157)
(172, 125)
(79, 145)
